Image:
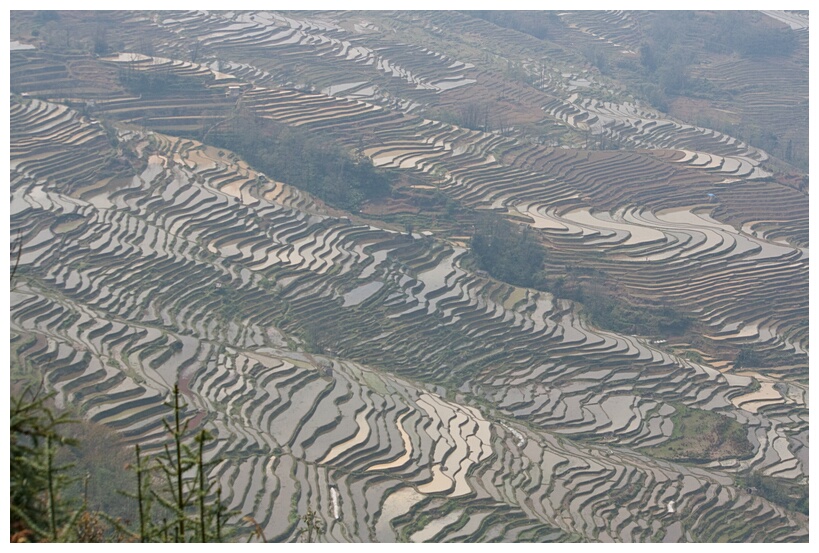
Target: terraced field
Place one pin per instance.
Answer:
(372, 374)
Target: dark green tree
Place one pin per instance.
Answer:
(312, 526)
(39, 512)
(176, 500)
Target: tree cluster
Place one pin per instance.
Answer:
(612, 311)
(665, 55)
(508, 252)
(304, 160)
(537, 24)
(792, 496)
(151, 83)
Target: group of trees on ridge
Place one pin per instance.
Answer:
(303, 159)
(513, 254)
(508, 252)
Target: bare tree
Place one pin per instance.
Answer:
(16, 264)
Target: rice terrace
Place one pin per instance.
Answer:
(414, 276)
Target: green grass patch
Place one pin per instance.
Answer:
(517, 295)
(701, 436)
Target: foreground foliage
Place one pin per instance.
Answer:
(175, 501)
(38, 510)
